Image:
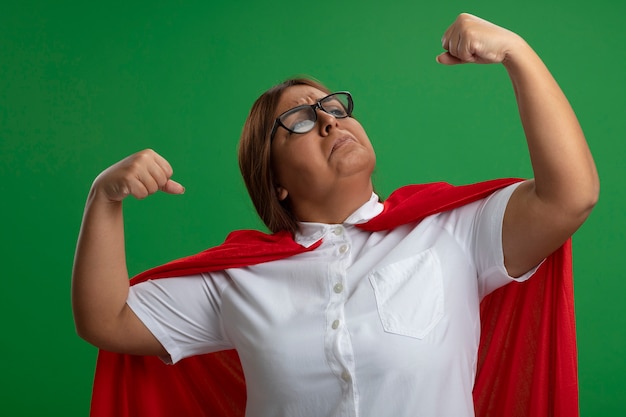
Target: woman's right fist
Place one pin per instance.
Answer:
(139, 175)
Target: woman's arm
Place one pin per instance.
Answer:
(544, 212)
(100, 277)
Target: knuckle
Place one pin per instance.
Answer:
(123, 191)
(143, 155)
(141, 194)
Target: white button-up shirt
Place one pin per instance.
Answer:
(368, 324)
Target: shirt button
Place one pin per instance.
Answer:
(335, 324)
(343, 249)
(338, 231)
(345, 375)
(338, 287)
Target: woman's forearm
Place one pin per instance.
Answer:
(564, 170)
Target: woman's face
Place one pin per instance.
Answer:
(336, 153)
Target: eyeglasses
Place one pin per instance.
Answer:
(302, 119)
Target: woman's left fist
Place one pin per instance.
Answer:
(471, 39)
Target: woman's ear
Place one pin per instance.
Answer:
(281, 193)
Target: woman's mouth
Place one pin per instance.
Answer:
(341, 142)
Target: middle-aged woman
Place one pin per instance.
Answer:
(369, 323)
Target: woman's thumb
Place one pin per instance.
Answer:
(172, 187)
(446, 59)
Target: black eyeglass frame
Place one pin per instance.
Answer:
(314, 107)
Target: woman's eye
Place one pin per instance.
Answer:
(302, 125)
(335, 107)
(337, 111)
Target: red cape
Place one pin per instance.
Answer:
(526, 360)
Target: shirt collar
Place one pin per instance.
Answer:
(311, 232)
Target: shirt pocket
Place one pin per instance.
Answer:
(409, 295)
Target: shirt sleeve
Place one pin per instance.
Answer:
(486, 245)
(183, 313)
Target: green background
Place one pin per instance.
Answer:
(84, 84)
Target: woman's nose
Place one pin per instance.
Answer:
(326, 122)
